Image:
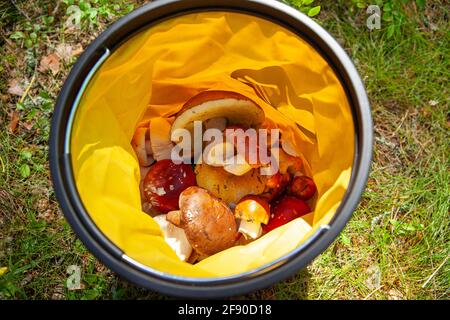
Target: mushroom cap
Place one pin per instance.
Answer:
(229, 187)
(209, 224)
(235, 107)
(253, 208)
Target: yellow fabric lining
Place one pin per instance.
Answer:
(155, 72)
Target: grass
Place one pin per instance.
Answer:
(396, 246)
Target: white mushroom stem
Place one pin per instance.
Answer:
(139, 145)
(175, 237)
(250, 229)
(161, 144)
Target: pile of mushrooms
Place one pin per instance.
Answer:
(204, 211)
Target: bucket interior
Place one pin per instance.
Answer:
(154, 73)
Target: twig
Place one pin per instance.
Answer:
(370, 294)
(27, 89)
(55, 10)
(435, 272)
(401, 123)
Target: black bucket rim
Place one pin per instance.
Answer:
(155, 12)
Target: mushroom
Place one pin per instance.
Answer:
(175, 237)
(209, 224)
(252, 211)
(229, 187)
(238, 166)
(216, 123)
(234, 107)
(160, 138)
(290, 164)
(140, 144)
(216, 154)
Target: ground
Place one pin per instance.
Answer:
(396, 246)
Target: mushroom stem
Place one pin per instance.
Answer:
(174, 217)
(250, 229)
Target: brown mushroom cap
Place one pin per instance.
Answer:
(210, 95)
(209, 224)
(235, 107)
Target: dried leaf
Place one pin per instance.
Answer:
(66, 51)
(50, 62)
(14, 121)
(15, 87)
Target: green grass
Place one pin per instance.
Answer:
(395, 246)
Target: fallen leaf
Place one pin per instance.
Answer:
(66, 51)
(14, 121)
(50, 62)
(15, 87)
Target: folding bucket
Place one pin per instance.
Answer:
(148, 64)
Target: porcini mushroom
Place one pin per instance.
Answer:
(209, 224)
(232, 106)
(140, 144)
(252, 211)
(160, 138)
(229, 187)
(175, 237)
